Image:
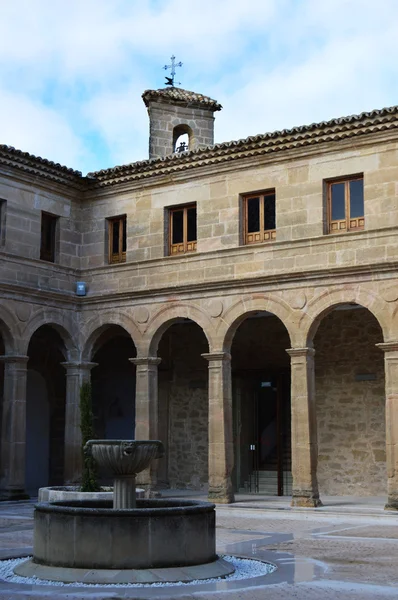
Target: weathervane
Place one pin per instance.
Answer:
(170, 80)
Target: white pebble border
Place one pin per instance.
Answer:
(245, 568)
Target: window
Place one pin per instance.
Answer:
(259, 217)
(182, 228)
(117, 239)
(48, 236)
(345, 204)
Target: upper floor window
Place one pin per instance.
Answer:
(259, 217)
(182, 229)
(48, 237)
(117, 239)
(345, 204)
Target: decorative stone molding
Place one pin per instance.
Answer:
(141, 314)
(213, 356)
(14, 358)
(215, 308)
(146, 360)
(298, 300)
(23, 312)
(388, 346)
(390, 294)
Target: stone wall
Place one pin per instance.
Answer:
(350, 413)
(180, 350)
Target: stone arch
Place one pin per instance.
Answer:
(237, 313)
(170, 314)
(178, 132)
(324, 304)
(95, 327)
(60, 323)
(9, 330)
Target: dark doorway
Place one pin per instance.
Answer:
(261, 405)
(263, 436)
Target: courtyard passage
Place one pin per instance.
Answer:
(347, 549)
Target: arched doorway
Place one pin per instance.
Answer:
(183, 406)
(45, 410)
(261, 405)
(350, 403)
(113, 384)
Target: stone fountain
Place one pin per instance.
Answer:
(131, 541)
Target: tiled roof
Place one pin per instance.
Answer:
(334, 131)
(268, 143)
(182, 97)
(35, 165)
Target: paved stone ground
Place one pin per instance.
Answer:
(346, 550)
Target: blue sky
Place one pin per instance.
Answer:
(72, 73)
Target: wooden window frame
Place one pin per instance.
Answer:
(49, 256)
(263, 235)
(183, 247)
(120, 256)
(347, 224)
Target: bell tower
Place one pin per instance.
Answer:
(179, 120)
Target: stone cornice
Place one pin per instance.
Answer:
(180, 97)
(335, 130)
(313, 277)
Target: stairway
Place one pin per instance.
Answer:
(268, 483)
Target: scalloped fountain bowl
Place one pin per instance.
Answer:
(131, 541)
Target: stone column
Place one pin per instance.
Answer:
(146, 411)
(304, 428)
(13, 433)
(391, 382)
(76, 374)
(221, 450)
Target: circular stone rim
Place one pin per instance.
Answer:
(218, 568)
(158, 507)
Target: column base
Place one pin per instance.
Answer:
(392, 503)
(10, 495)
(221, 497)
(305, 500)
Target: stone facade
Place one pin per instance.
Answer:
(184, 383)
(350, 399)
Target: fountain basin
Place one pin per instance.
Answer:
(69, 493)
(93, 535)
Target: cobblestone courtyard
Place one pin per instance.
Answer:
(347, 549)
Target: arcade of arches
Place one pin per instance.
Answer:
(256, 415)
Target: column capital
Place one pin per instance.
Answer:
(145, 361)
(388, 346)
(213, 356)
(79, 366)
(14, 358)
(301, 352)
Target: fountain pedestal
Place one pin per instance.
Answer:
(124, 459)
(133, 541)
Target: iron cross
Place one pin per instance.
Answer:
(170, 80)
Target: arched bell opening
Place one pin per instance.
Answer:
(182, 138)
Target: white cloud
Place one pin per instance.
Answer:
(39, 130)
(74, 72)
